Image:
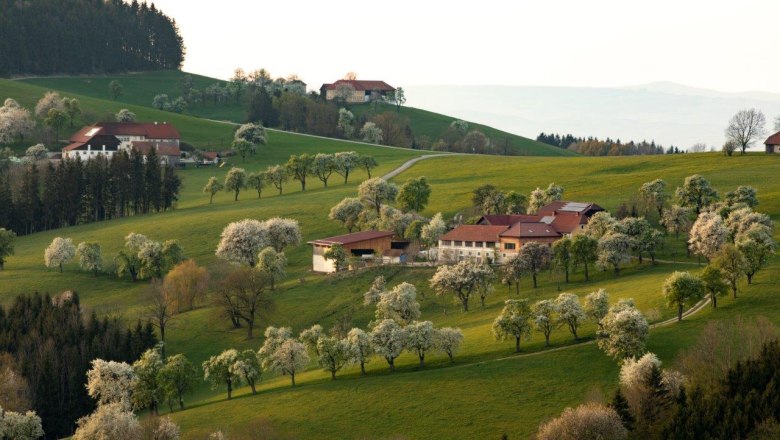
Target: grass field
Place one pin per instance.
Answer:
(141, 88)
(489, 390)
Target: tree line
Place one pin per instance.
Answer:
(80, 36)
(38, 197)
(593, 146)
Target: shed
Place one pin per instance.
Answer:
(356, 244)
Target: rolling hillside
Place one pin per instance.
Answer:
(489, 391)
(141, 88)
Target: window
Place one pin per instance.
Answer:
(446, 243)
(478, 244)
(469, 244)
(458, 243)
(509, 246)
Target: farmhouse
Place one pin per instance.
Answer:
(355, 91)
(772, 143)
(107, 138)
(496, 237)
(357, 244)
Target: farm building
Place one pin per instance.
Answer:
(107, 138)
(772, 143)
(357, 244)
(355, 91)
(496, 237)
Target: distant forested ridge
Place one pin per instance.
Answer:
(592, 146)
(45, 37)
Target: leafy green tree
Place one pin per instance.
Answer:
(535, 258)
(584, 251)
(514, 321)
(212, 187)
(338, 255)
(235, 181)
(277, 175)
(90, 256)
(368, 163)
(7, 239)
(696, 193)
(732, 264)
(72, 109)
(562, 256)
(414, 194)
(323, 166)
(299, 167)
(714, 284)
(56, 119)
(244, 148)
(115, 90)
(377, 191)
(218, 371)
(682, 288)
(178, 378)
(256, 181)
(148, 390)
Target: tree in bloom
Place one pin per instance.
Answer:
(255, 134)
(148, 390)
(743, 195)
(696, 193)
(433, 230)
(371, 133)
(389, 340)
(420, 338)
(681, 289)
(600, 224)
(242, 241)
(125, 115)
(274, 337)
(15, 122)
(461, 279)
(290, 358)
(732, 264)
(757, 245)
(110, 421)
(50, 100)
(346, 161)
(218, 371)
(212, 187)
(111, 382)
(596, 305)
(334, 354)
(377, 191)
(584, 252)
(740, 220)
(542, 197)
(613, 250)
(513, 322)
(677, 219)
(708, 234)
(178, 377)
(339, 257)
(543, 312)
(323, 166)
(20, 426)
(247, 367)
(128, 260)
(535, 257)
(310, 336)
(60, 251)
(361, 347)
(282, 232)
(714, 283)
(347, 212)
(588, 421)
(277, 175)
(623, 332)
(90, 257)
(569, 310)
(272, 264)
(448, 340)
(654, 195)
(235, 181)
(374, 293)
(36, 152)
(399, 304)
(345, 123)
(256, 181)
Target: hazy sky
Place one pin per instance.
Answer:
(725, 45)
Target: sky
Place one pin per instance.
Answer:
(723, 45)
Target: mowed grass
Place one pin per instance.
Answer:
(489, 390)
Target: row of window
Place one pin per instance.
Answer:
(478, 244)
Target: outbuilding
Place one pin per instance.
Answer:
(357, 244)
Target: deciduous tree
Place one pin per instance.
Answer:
(377, 191)
(714, 283)
(247, 367)
(235, 181)
(708, 234)
(569, 310)
(290, 358)
(448, 340)
(588, 421)
(361, 346)
(323, 166)
(212, 187)
(60, 251)
(654, 195)
(333, 354)
(461, 279)
(696, 193)
(731, 263)
(347, 212)
(110, 382)
(544, 318)
(241, 241)
(623, 332)
(584, 251)
(514, 321)
(389, 340)
(420, 338)
(682, 288)
(277, 175)
(346, 161)
(613, 250)
(399, 304)
(414, 194)
(218, 371)
(535, 258)
(745, 127)
(178, 378)
(125, 115)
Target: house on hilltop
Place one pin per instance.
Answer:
(355, 90)
(772, 143)
(107, 138)
(497, 237)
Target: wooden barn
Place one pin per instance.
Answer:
(357, 244)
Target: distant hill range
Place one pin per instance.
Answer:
(669, 113)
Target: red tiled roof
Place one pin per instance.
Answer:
(148, 129)
(163, 149)
(73, 146)
(210, 155)
(523, 230)
(773, 140)
(359, 84)
(353, 238)
(475, 233)
(566, 224)
(81, 135)
(508, 219)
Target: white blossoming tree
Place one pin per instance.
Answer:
(310, 336)
(535, 257)
(20, 426)
(247, 366)
(448, 340)
(347, 212)
(90, 257)
(623, 332)
(235, 181)
(544, 318)
(282, 232)
(219, 370)
(696, 193)
(677, 219)
(273, 264)
(242, 241)
(274, 337)
(371, 133)
(588, 421)
(374, 293)
(432, 231)
(362, 349)
(708, 234)
(110, 382)
(148, 390)
(420, 338)
(110, 421)
(514, 321)
(596, 305)
(613, 250)
(569, 310)
(290, 358)
(389, 340)
(323, 167)
(377, 191)
(345, 123)
(60, 251)
(334, 354)
(399, 304)
(346, 161)
(461, 279)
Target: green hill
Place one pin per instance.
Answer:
(141, 88)
(489, 391)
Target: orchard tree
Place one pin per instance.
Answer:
(347, 212)
(399, 304)
(414, 194)
(109, 421)
(371, 133)
(512, 271)
(461, 279)
(708, 234)
(714, 284)
(246, 289)
(299, 167)
(740, 220)
(218, 371)
(212, 187)
(613, 250)
(115, 89)
(389, 340)
(60, 251)
(148, 391)
(247, 367)
(588, 421)
(654, 195)
(757, 245)
(290, 358)
(272, 264)
(339, 257)
(235, 181)
(398, 98)
(650, 242)
(333, 354)
(569, 310)
(514, 321)
(282, 232)
(375, 292)
(7, 239)
(49, 101)
(448, 340)
(562, 256)
(377, 191)
(15, 122)
(544, 318)
(361, 347)
(310, 336)
(56, 119)
(274, 337)
(584, 251)
(696, 193)
(90, 257)
(277, 175)
(635, 228)
(256, 181)
(677, 219)
(368, 163)
(241, 241)
(253, 133)
(682, 288)
(743, 195)
(178, 377)
(36, 152)
(433, 230)
(110, 382)
(124, 115)
(244, 148)
(600, 224)
(420, 338)
(20, 426)
(596, 305)
(731, 263)
(346, 123)
(323, 166)
(745, 127)
(623, 333)
(128, 260)
(535, 257)
(346, 161)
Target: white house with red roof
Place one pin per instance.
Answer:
(107, 138)
(497, 237)
(356, 90)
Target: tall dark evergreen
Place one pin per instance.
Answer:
(86, 36)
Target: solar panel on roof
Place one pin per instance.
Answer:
(92, 132)
(547, 219)
(575, 206)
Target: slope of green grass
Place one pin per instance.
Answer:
(141, 88)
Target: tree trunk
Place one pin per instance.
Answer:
(749, 278)
(534, 277)
(547, 339)
(586, 271)
(236, 199)
(346, 176)
(422, 360)
(60, 267)
(617, 270)
(714, 300)
(230, 389)
(640, 258)
(517, 344)
(679, 312)
(482, 300)
(181, 401)
(362, 368)
(333, 374)
(391, 362)
(252, 384)
(292, 378)
(517, 287)
(465, 302)
(734, 289)
(250, 326)
(452, 361)
(566, 272)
